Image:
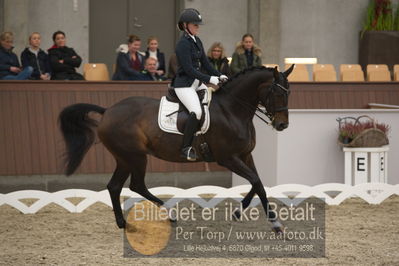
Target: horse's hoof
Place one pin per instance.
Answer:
(236, 215)
(130, 228)
(278, 229)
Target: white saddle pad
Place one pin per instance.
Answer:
(168, 122)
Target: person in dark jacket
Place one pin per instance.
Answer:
(63, 60)
(130, 64)
(153, 51)
(218, 59)
(10, 68)
(35, 57)
(247, 54)
(191, 57)
(150, 71)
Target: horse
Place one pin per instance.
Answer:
(129, 130)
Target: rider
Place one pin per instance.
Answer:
(191, 57)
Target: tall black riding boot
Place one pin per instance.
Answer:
(190, 129)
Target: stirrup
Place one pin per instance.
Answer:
(189, 153)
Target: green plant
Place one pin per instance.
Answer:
(396, 19)
(380, 16)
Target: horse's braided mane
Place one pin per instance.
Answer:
(242, 73)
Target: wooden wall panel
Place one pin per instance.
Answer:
(31, 143)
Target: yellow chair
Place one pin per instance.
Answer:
(95, 72)
(377, 67)
(396, 72)
(272, 66)
(379, 76)
(325, 75)
(349, 67)
(352, 75)
(319, 67)
(299, 73)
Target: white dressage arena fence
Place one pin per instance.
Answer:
(288, 194)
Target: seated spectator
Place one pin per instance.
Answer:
(35, 57)
(247, 54)
(150, 71)
(218, 58)
(153, 51)
(129, 65)
(10, 68)
(172, 66)
(63, 59)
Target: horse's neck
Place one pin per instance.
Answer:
(241, 97)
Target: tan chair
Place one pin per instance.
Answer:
(299, 73)
(95, 72)
(319, 67)
(297, 67)
(379, 76)
(352, 75)
(349, 67)
(396, 72)
(272, 66)
(377, 67)
(325, 75)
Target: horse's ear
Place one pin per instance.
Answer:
(276, 74)
(288, 71)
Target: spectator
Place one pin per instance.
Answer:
(150, 70)
(218, 58)
(10, 68)
(247, 54)
(129, 65)
(172, 66)
(63, 59)
(153, 51)
(36, 58)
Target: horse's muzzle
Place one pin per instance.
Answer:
(280, 126)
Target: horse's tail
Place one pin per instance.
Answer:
(78, 131)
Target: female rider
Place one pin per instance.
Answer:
(191, 57)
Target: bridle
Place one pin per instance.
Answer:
(270, 109)
(268, 112)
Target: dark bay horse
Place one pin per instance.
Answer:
(129, 130)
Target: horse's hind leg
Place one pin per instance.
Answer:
(137, 183)
(115, 187)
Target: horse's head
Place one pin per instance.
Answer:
(274, 98)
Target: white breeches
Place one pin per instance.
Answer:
(188, 96)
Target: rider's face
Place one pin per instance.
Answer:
(193, 28)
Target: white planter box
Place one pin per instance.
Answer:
(366, 165)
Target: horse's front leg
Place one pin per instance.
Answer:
(238, 166)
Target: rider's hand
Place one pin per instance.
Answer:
(214, 80)
(223, 78)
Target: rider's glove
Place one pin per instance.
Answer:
(214, 80)
(223, 78)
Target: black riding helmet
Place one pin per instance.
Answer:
(189, 15)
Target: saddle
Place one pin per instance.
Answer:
(173, 114)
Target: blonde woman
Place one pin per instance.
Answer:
(218, 59)
(153, 51)
(10, 68)
(247, 54)
(35, 57)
